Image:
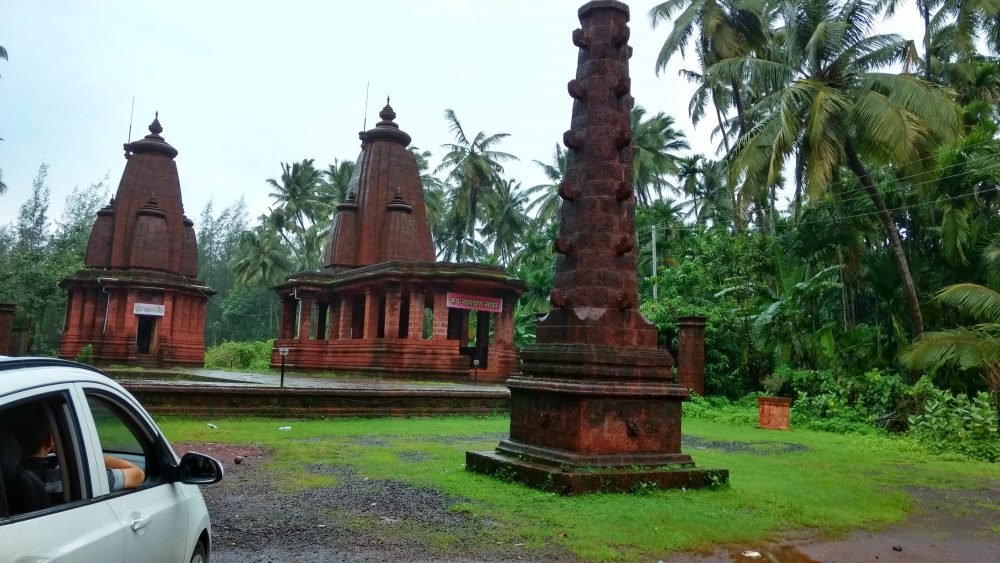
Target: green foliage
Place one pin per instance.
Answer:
(242, 356)
(86, 354)
(958, 424)
(848, 402)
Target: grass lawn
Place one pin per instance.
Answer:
(829, 485)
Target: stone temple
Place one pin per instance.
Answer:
(381, 304)
(138, 299)
(595, 407)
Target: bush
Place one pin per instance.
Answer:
(86, 354)
(958, 424)
(720, 409)
(844, 402)
(251, 356)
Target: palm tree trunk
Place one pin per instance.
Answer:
(926, 13)
(732, 191)
(856, 166)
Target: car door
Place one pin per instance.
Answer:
(76, 528)
(153, 515)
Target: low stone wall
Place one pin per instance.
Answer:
(269, 401)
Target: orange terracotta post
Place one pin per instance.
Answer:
(305, 318)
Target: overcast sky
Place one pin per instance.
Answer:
(244, 86)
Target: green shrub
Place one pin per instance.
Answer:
(846, 402)
(251, 356)
(86, 354)
(720, 409)
(955, 423)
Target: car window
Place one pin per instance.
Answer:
(40, 463)
(124, 442)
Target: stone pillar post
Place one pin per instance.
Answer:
(288, 309)
(691, 354)
(392, 305)
(170, 302)
(440, 329)
(6, 326)
(305, 318)
(336, 306)
(346, 316)
(416, 331)
(503, 324)
(371, 314)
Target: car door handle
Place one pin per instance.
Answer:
(140, 522)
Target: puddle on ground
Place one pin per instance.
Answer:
(771, 554)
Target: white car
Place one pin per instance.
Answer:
(77, 514)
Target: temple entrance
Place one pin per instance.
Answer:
(145, 338)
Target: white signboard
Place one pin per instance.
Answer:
(149, 309)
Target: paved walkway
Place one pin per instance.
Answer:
(211, 377)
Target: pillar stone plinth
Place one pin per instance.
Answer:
(691, 354)
(594, 407)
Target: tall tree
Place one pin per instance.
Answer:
(655, 143)
(336, 181)
(302, 215)
(474, 168)
(546, 196)
(829, 108)
(506, 221)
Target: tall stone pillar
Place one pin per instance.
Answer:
(336, 306)
(594, 407)
(691, 354)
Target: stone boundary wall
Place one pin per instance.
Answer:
(210, 401)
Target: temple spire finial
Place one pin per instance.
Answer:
(155, 127)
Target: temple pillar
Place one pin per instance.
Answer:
(167, 320)
(503, 324)
(440, 325)
(305, 318)
(417, 301)
(393, 296)
(691, 354)
(288, 310)
(346, 316)
(371, 314)
(336, 305)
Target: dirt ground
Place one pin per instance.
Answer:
(361, 520)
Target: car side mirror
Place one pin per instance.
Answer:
(199, 469)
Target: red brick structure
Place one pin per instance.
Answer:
(138, 299)
(594, 407)
(691, 354)
(6, 327)
(381, 304)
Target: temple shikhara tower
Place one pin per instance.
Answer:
(381, 304)
(594, 407)
(138, 299)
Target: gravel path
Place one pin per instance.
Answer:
(365, 520)
(356, 520)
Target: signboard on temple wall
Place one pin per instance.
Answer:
(149, 309)
(474, 302)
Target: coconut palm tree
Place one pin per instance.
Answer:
(506, 220)
(261, 260)
(474, 168)
(546, 196)
(830, 108)
(335, 182)
(297, 193)
(976, 347)
(655, 143)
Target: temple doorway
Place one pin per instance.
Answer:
(145, 338)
